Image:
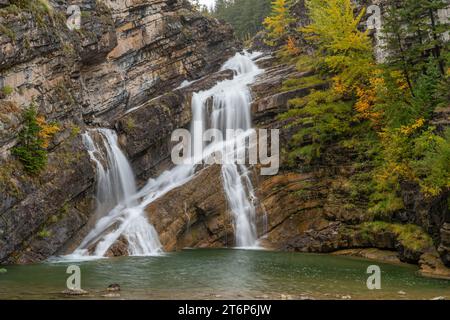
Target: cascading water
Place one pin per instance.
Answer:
(230, 109)
(116, 196)
(115, 179)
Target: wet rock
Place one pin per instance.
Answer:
(194, 215)
(75, 292)
(145, 131)
(307, 298)
(427, 212)
(48, 214)
(444, 246)
(113, 287)
(432, 266)
(259, 44)
(118, 249)
(441, 117)
(372, 254)
(111, 295)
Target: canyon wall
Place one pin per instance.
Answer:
(125, 54)
(124, 70)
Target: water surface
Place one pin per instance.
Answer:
(223, 274)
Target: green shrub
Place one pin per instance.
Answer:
(304, 82)
(7, 90)
(43, 234)
(30, 150)
(431, 164)
(409, 235)
(322, 118)
(40, 9)
(8, 31)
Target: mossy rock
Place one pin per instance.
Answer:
(412, 240)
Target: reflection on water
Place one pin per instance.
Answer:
(222, 274)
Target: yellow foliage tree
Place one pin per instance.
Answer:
(346, 51)
(278, 22)
(47, 131)
(342, 46)
(291, 47)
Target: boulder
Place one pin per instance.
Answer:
(195, 214)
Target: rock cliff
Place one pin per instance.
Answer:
(125, 54)
(318, 212)
(124, 69)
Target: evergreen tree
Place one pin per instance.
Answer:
(414, 36)
(246, 16)
(278, 22)
(342, 47)
(30, 150)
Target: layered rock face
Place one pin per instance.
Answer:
(125, 54)
(319, 214)
(206, 220)
(310, 208)
(123, 70)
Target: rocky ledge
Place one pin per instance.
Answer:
(317, 212)
(125, 55)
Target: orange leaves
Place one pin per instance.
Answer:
(291, 47)
(339, 87)
(47, 131)
(408, 130)
(367, 99)
(366, 93)
(399, 80)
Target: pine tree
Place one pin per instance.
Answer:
(246, 16)
(342, 47)
(30, 150)
(278, 22)
(414, 36)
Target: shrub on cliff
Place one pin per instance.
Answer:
(393, 103)
(33, 140)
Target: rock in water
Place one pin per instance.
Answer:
(111, 295)
(71, 292)
(113, 287)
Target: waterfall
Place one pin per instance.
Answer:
(115, 179)
(116, 197)
(122, 209)
(223, 107)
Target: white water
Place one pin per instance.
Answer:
(230, 109)
(115, 179)
(116, 197)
